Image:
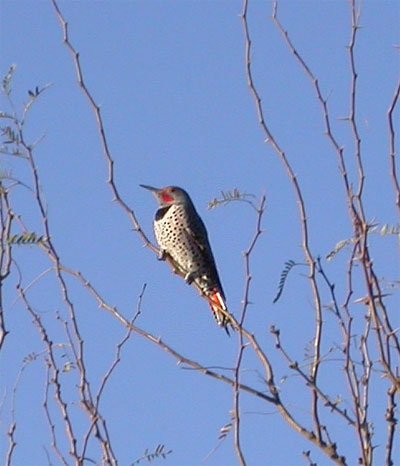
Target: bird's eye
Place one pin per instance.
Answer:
(172, 190)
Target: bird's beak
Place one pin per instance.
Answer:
(155, 191)
(150, 188)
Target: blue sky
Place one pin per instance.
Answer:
(170, 80)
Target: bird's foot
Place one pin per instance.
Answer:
(189, 277)
(162, 255)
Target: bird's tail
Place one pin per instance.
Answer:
(219, 309)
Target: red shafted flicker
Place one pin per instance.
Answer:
(182, 236)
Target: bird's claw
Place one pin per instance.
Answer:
(162, 255)
(189, 277)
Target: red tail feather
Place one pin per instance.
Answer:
(217, 304)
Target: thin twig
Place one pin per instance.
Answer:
(102, 133)
(360, 403)
(355, 204)
(242, 345)
(13, 443)
(392, 145)
(97, 420)
(308, 380)
(392, 425)
(50, 422)
(307, 456)
(329, 449)
(355, 17)
(55, 380)
(75, 340)
(108, 374)
(302, 212)
(6, 219)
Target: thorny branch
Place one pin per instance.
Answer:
(307, 379)
(50, 422)
(71, 327)
(392, 424)
(75, 339)
(55, 379)
(102, 133)
(386, 337)
(302, 212)
(13, 444)
(242, 345)
(6, 218)
(329, 449)
(158, 341)
(392, 146)
(356, 384)
(112, 368)
(98, 423)
(13, 426)
(355, 18)
(382, 325)
(361, 227)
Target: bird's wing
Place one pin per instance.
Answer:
(197, 232)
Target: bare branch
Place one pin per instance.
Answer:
(392, 425)
(302, 211)
(307, 456)
(55, 380)
(102, 133)
(12, 445)
(242, 345)
(308, 380)
(392, 145)
(361, 228)
(355, 18)
(104, 381)
(6, 219)
(50, 422)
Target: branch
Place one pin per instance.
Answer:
(302, 210)
(392, 145)
(50, 422)
(6, 218)
(107, 377)
(360, 225)
(355, 17)
(392, 424)
(102, 133)
(58, 393)
(329, 449)
(309, 382)
(242, 345)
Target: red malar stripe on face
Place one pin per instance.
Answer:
(166, 197)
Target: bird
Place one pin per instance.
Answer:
(182, 237)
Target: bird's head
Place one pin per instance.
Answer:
(171, 195)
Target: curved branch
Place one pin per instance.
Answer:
(392, 143)
(302, 212)
(100, 125)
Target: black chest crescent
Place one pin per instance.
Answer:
(162, 212)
